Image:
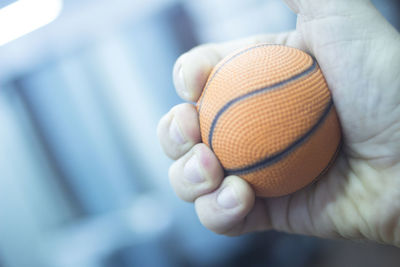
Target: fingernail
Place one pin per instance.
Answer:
(175, 133)
(181, 84)
(227, 198)
(192, 171)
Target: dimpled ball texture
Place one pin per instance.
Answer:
(267, 113)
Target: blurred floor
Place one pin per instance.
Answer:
(284, 250)
(350, 254)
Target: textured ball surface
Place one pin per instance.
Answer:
(267, 113)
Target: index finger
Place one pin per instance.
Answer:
(192, 69)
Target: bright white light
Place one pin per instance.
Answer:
(25, 16)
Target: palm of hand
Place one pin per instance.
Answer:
(359, 197)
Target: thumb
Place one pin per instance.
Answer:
(359, 53)
(323, 8)
(326, 22)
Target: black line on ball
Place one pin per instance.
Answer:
(278, 156)
(258, 91)
(227, 61)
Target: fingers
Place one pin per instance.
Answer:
(225, 209)
(225, 206)
(196, 173)
(178, 131)
(191, 70)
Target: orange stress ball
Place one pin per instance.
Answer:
(267, 113)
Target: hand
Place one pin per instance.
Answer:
(359, 198)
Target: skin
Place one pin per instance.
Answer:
(359, 197)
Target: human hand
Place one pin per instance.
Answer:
(359, 197)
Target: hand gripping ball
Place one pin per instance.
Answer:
(268, 115)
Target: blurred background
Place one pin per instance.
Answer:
(83, 181)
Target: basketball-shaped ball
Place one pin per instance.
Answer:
(268, 115)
